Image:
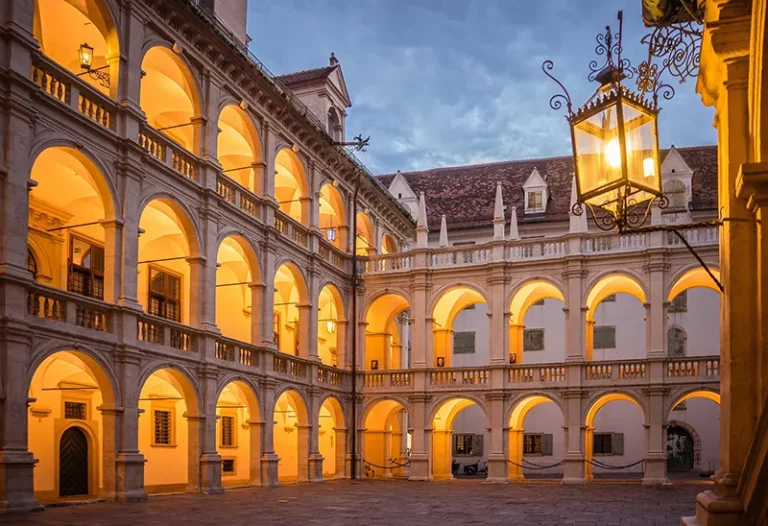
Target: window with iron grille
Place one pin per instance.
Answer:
(164, 294)
(86, 268)
(162, 428)
(74, 410)
(227, 430)
(228, 466)
(31, 263)
(679, 303)
(464, 342)
(604, 337)
(533, 340)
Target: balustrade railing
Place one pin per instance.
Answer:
(237, 195)
(535, 250)
(383, 263)
(520, 375)
(703, 235)
(631, 371)
(706, 367)
(67, 307)
(599, 371)
(289, 366)
(331, 254)
(152, 329)
(158, 146)
(456, 257)
(290, 228)
(326, 375)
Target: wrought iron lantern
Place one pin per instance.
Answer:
(85, 53)
(615, 142)
(331, 234)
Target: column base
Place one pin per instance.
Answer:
(574, 469)
(655, 470)
(498, 469)
(419, 468)
(269, 470)
(17, 482)
(210, 473)
(716, 510)
(316, 467)
(130, 477)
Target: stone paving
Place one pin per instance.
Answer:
(347, 503)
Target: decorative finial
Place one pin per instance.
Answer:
(333, 60)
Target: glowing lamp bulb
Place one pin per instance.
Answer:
(331, 326)
(649, 167)
(86, 56)
(613, 153)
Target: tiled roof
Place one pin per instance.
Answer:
(308, 75)
(465, 194)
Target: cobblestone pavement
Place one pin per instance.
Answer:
(346, 503)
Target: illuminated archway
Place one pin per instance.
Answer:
(238, 289)
(450, 303)
(69, 389)
(530, 294)
(385, 440)
(388, 245)
(332, 438)
(291, 186)
(331, 326)
(290, 317)
(386, 333)
(535, 443)
(701, 394)
(238, 148)
(366, 244)
(590, 427)
(169, 432)
(291, 437)
(169, 96)
(238, 435)
(69, 209)
(696, 277)
(693, 314)
(696, 414)
(609, 287)
(166, 243)
(61, 26)
(332, 216)
(442, 443)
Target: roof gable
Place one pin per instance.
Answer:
(674, 163)
(535, 180)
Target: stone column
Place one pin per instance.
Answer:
(109, 419)
(516, 332)
(575, 471)
(129, 461)
(656, 437)
(656, 308)
(195, 427)
(341, 344)
(303, 453)
(497, 457)
(419, 457)
(515, 472)
(268, 297)
(441, 454)
(269, 459)
(130, 176)
(496, 313)
(113, 251)
(255, 430)
(421, 332)
(575, 315)
(209, 248)
(342, 470)
(210, 460)
(442, 347)
(197, 278)
(257, 312)
(315, 458)
(303, 332)
(313, 313)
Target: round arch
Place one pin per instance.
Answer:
(291, 435)
(169, 399)
(238, 147)
(88, 21)
(704, 394)
(530, 292)
(332, 216)
(292, 186)
(290, 321)
(238, 433)
(331, 325)
(169, 95)
(385, 338)
(448, 303)
(516, 442)
(613, 283)
(366, 242)
(694, 437)
(332, 437)
(237, 278)
(694, 277)
(442, 422)
(385, 438)
(388, 244)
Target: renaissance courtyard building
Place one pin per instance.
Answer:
(192, 266)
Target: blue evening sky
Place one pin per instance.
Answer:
(452, 82)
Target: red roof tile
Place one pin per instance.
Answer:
(465, 194)
(308, 75)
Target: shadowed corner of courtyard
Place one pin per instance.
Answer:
(396, 502)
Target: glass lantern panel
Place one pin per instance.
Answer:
(642, 150)
(598, 153)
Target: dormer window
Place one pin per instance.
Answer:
(675, 192)
(535, 202)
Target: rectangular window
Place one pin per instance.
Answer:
(533, 340)
(228, 466)
(164, 294)
(162, 428)
(679, 303)
(86, 268)
(74, 410)
(532, 444)
(463, 342)
(468, 445)
(227, 430)
(604, 337)
(535, 201)
(602, 443)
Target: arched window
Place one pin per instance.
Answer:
(675, 342)
(334, 126)
(31, 262)
(675, 191)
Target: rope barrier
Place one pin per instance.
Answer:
(393, 463)
(531, 465)
(527, 464)
(602, 465)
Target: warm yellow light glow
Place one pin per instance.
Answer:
(649, 167)
(613, 153)
(331, 326)
(86, 56)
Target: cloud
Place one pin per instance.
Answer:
(440, 82)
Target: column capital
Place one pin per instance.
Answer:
(752, 185)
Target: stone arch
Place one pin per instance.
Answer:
(331, 325)
(292, 185)
(188, 219)
(249, 389)
(239, 146)
(690, 277)
(447, 303)
(384, 340)
(290, 309)
(238, 289)
(688, 394)
(290, 415)
(332, 436)
(169, 78)
(388, 244)
(696, 441)
(516, 415)
(91, 22)
(239, 431)
(366, 240)
(531, 291)
(442, 417)
(332, 215)
(608, 283)
(385, 421)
